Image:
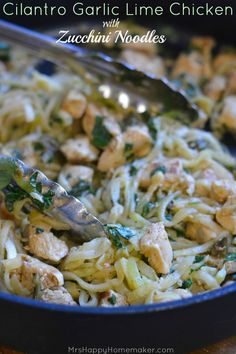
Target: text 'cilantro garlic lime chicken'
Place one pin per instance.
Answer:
(165, 192)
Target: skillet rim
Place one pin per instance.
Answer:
(123, 310)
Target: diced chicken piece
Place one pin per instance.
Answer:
(174, 176)
(224, 63)
(215, 262)
(71, 175)
(156, 247)
(112, 126)
(227, 117)
(220, 248)
(202, 231)
(79, 150)
(222, 189)
(112, 299)
(49, 275)
(231, 86)
(174, 166)
(204, 44)
(206, 179)
(191, 64)
(109, 122)
(230, 267)
(143, 62)
(139, 140)
(57, 296)
(26, 268)
(113, 156)
(184, 182)
(139, 137)
(89, 118)
(216, 87)
(75, 104)
(45, 245)
(226, 216)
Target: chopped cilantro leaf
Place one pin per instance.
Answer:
(169, 217)
(33, 182)
(152, 129)
(33, 179)
(56, 118)
(133, 170)
(128, 151)
(101, 136)
(7, 170)
(112, 299)
(231, 257)
(161, 169)
(13, 194)
(187, 283)
(82, 187)
(117, 232)
(4, 52)
(198, 259)
(199, 144)
(38, 146)
(47, 198)
(147, 207)
(39, 230)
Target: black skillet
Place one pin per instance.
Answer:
(177, 326)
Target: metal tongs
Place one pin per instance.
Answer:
(120, 79)
(62, 207)
(139, 88)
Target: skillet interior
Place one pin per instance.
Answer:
(211, 313)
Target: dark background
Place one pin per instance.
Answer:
(219, 26)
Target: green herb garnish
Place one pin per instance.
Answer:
(112, 299)
(4, 52)
(230, 257)
(7, 170)
(13, 194)
(47, 199)
(34, 184)
(147, 208)
(169, 217)
(198, 259)
(101, 136)
(39, 230)
(161, 169)
(128, 151)
(133, 170)
(118, 232)
(81, 188)
(56, 118)
(199, 144)
(187, 283)
(38, 146)
(152, 129)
